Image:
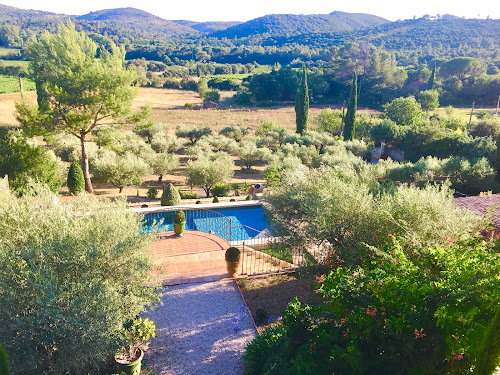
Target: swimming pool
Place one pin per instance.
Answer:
(231, 223)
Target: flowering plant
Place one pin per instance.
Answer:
(404, 312)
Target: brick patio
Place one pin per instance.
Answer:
(195, 257)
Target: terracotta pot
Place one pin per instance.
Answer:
(132, 368)
(179, 228)
(232, 269)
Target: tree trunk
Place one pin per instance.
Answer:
(160, 178)
(85, 165)
(121, 189)
(207, 192)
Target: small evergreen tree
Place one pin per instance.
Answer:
(302, 104)
(202, 87)
(350, 116)
(76, 180)
(170, 196)
(430, 83)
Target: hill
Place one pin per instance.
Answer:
(137, 19)
(296, 24)
(208, 27)
(453, 36)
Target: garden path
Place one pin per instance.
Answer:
(202, 329)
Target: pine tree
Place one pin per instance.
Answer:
(76, 180)
(430, 83)
(351, 110)
(302, 104)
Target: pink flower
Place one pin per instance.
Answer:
(371, 312)
(457, 357)
(346, 332)
(313, 345)
(419, 334)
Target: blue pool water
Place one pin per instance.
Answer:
(232, 224)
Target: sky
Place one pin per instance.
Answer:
(230, 10)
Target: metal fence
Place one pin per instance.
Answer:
(260, 253)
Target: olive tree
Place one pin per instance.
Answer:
(250, 154)
(209, 170)
(429, 100)
(163, 164)
(72, 274)
(119, 170)
(192, 133)
(79, 87)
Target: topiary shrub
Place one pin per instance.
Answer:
(198, 202)
(144, 205)
(232, 255)
(76, 181)
(152, 193)
(215, 200)
(180, 217)
(170, 196)
(232, 200)
(220, 190)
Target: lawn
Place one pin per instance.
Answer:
(10, 84)
(7, 51)
(274, 292)
(21, 63)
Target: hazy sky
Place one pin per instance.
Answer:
(230, 10)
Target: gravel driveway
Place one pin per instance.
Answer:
(201, 329)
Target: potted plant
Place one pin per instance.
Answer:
(136, 332)
(232, 261)
(179, 223)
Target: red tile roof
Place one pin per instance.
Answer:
(483, 205)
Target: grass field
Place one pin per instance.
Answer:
(462, 113)
(9, 84)
(21, 63)
(7, 51)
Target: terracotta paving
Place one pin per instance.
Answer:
(195, 257)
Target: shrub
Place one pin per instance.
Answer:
(236, 188)
(215, 200)
(232, 200)
(423, 311)
(179, 217)
(261, 315)
(188, 195)
(4, 362)
(170, 196)
(212, 96)
(152, 192)
(75, 181)
(62, 270)
(137, 333)
(404, 111)
(248, 198)
(198, 202)
(220, 190)
(232, 254)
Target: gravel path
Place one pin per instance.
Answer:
(201, 329)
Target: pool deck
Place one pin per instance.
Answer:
(195, 257)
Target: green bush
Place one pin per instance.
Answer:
(179, 217)
(212, 96)
(215, 200)
(188, 195)
(248, 198)
(418, 312)
(198, 202)
(220, 190)
(152, 192)
(72, 275)
(24, 162)
(4, 362)
(170, 196)
(76, 180)
(232, 254)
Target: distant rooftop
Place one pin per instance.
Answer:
(482, 205)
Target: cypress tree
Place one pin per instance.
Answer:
(170, 196)
(430, 83)
(351, 110)
(302, 104)
(76, 180)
